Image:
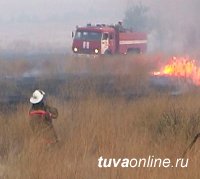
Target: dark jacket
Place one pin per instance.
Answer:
(41, 122)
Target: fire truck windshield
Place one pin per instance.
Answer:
(87, 35)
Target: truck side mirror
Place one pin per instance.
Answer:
(72, 34)
(105, 36)
(111, 36)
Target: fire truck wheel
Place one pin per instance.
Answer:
(107, 52)
(133, 51)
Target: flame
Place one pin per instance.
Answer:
(183, 67)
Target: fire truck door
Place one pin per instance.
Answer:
(112, 44)
(104, 43)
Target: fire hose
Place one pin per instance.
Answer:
(191, 144)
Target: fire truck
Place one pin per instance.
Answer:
(104, 39)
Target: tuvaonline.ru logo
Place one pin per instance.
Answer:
(149, 162)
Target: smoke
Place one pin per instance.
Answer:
(176, 26)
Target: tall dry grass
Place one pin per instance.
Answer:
(98, 126)
(102, 125)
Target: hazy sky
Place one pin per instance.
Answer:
(50, 9)
(33, 24)
(48, 23)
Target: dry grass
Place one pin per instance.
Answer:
(98, 125)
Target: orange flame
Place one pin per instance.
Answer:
(182, 67)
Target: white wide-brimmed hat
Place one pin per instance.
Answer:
(37, 96)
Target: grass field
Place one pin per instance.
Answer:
(101, 125)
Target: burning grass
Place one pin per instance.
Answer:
(182, 67)
(103, 125)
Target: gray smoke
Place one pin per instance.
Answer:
(175, 23)
(177, 27)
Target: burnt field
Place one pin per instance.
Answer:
(110, 107)
(68, 78)
(72, 78)
(68, 86)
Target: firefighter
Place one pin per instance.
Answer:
(41, 116)
(120, 27)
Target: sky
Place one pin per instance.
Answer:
(42, 10)
(43, 24)
(47, 24)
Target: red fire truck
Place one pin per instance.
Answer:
(104, 39)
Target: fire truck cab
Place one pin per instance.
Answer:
(107, 40)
